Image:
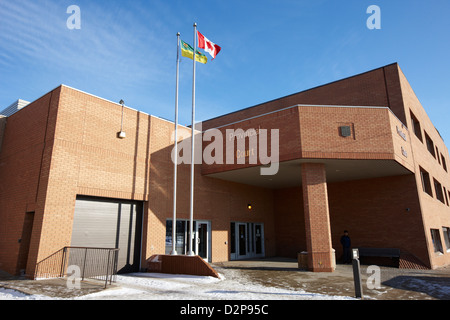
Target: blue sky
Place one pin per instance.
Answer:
(270, 48)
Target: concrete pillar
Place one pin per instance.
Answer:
(317, 218)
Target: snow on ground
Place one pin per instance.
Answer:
(154, 286)
(9, 294)
(178, 287)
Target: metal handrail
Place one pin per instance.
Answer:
(93, 263)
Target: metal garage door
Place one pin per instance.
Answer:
(107, 223)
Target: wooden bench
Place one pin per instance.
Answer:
(379, 252)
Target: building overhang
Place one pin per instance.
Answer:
(289, 172)
(376, 144)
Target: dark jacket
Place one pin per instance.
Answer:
(345, 241)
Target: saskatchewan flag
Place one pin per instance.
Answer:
(188, 52)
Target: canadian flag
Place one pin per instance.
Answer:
(210, 47)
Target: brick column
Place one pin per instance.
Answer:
(317, 218)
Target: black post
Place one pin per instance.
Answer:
(84, 263)
(107, 270)
(357, 274)
(63, 263)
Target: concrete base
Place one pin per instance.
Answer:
(180, 264)
(303, 263)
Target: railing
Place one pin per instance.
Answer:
(81, 262)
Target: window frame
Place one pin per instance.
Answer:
(416, 126)
(430, 145)
(446, 233)
(426, 183)
(438, 191)
(437, 242)
(444, 162)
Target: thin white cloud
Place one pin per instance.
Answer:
(113, 45)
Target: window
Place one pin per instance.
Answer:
(444, 164)
(445, 194)
(416, 127)
(436, 237)
(181, 239)
(346, 131)
(446, 233)
(430, 145)
(426, 183)
(438, 190)
(200, 237)
(437, 154)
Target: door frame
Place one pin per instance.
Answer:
(238, 240)
(135, 225)
(197, 239)
(250, 240)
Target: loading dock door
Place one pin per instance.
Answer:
(109, 223)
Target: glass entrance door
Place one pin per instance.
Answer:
(201, 238)
(242, 240)
(247, 240)
(258, 239)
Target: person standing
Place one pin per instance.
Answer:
(346, 246)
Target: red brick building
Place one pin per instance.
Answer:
(359, 154)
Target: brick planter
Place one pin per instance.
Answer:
(180, 264)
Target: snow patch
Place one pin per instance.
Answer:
(10, 294)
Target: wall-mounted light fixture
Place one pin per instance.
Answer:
(249, 206)
(121, 134)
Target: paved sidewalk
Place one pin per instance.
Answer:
(52, 288)
(395, 284)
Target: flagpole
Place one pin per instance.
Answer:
(191, 217)
(175, 158)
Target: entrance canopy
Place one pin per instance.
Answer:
(352, 142)
(289, 173)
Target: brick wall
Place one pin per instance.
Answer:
(3, 120)
(285, 121)
(66, 143)
(24, 163)
(435, 214)
(312, 132)
(89, 159)
(217, 201)
(82, 155)
(385, 86)
(380, 212)
(371, 135)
